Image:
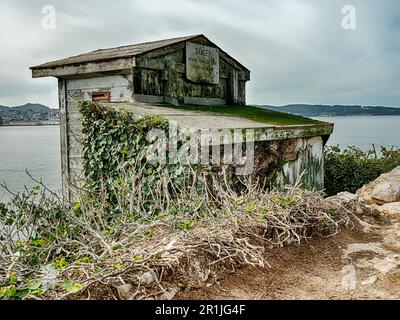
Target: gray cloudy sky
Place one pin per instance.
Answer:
(297, 50)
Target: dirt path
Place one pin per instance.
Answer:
(356, 264)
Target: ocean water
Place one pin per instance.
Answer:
(363, 132)
(37, 149)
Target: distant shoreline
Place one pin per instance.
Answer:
(354, 115)
(29, 114)
(307, 110)
(31, 123)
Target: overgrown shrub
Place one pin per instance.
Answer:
(176, 222)
(114, 140)
(351, 168)
(49, 250)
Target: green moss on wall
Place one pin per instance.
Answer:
(252, 113)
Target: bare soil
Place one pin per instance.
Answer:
(355, 264)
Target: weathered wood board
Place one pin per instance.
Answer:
(119, 87)
(202, 63)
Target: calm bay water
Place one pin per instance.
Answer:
(38, 148)
(35, 149)
(365, 131)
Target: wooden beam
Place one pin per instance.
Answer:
(62, 95)
(86, 68)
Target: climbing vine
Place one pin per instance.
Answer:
(114, 141)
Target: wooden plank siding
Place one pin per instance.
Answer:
(75, 146)
(62, 94)
(71, 92)
(119, 86)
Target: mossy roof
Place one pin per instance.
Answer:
(251, 113)
(269, 125)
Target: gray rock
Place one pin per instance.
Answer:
(148, 278)
(387, 191)
(170, 294)
(350, 201)
(347, 196)
(384, 189)
(391, 209)
(124, 291)
(370, 281)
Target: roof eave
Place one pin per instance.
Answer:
(57, 68)
(62, 63)
(91, 67)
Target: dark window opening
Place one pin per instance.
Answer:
(100, 96)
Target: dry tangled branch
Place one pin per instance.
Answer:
(154, 241)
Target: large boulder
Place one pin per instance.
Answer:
(383, 194)
(391, 209)
(355, 204)
(349, 200)
(385, 189)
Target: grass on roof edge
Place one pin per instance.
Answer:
(251, 113)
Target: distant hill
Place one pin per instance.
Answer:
(334, 110)
(27, 112)
(35, 107)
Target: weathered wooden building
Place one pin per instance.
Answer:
(190, 70)
(181, 71)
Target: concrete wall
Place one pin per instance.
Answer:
(286, 150)
(71, 91)
(119, 86)
(307, 165)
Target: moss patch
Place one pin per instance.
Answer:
(252, 113)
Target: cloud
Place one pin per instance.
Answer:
(297, 50)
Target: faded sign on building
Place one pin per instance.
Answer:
(202, 63)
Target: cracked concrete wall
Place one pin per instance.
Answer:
(303, 161)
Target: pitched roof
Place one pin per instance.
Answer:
(116, 53)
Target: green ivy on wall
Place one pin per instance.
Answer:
(112, 138)
(114, 142)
